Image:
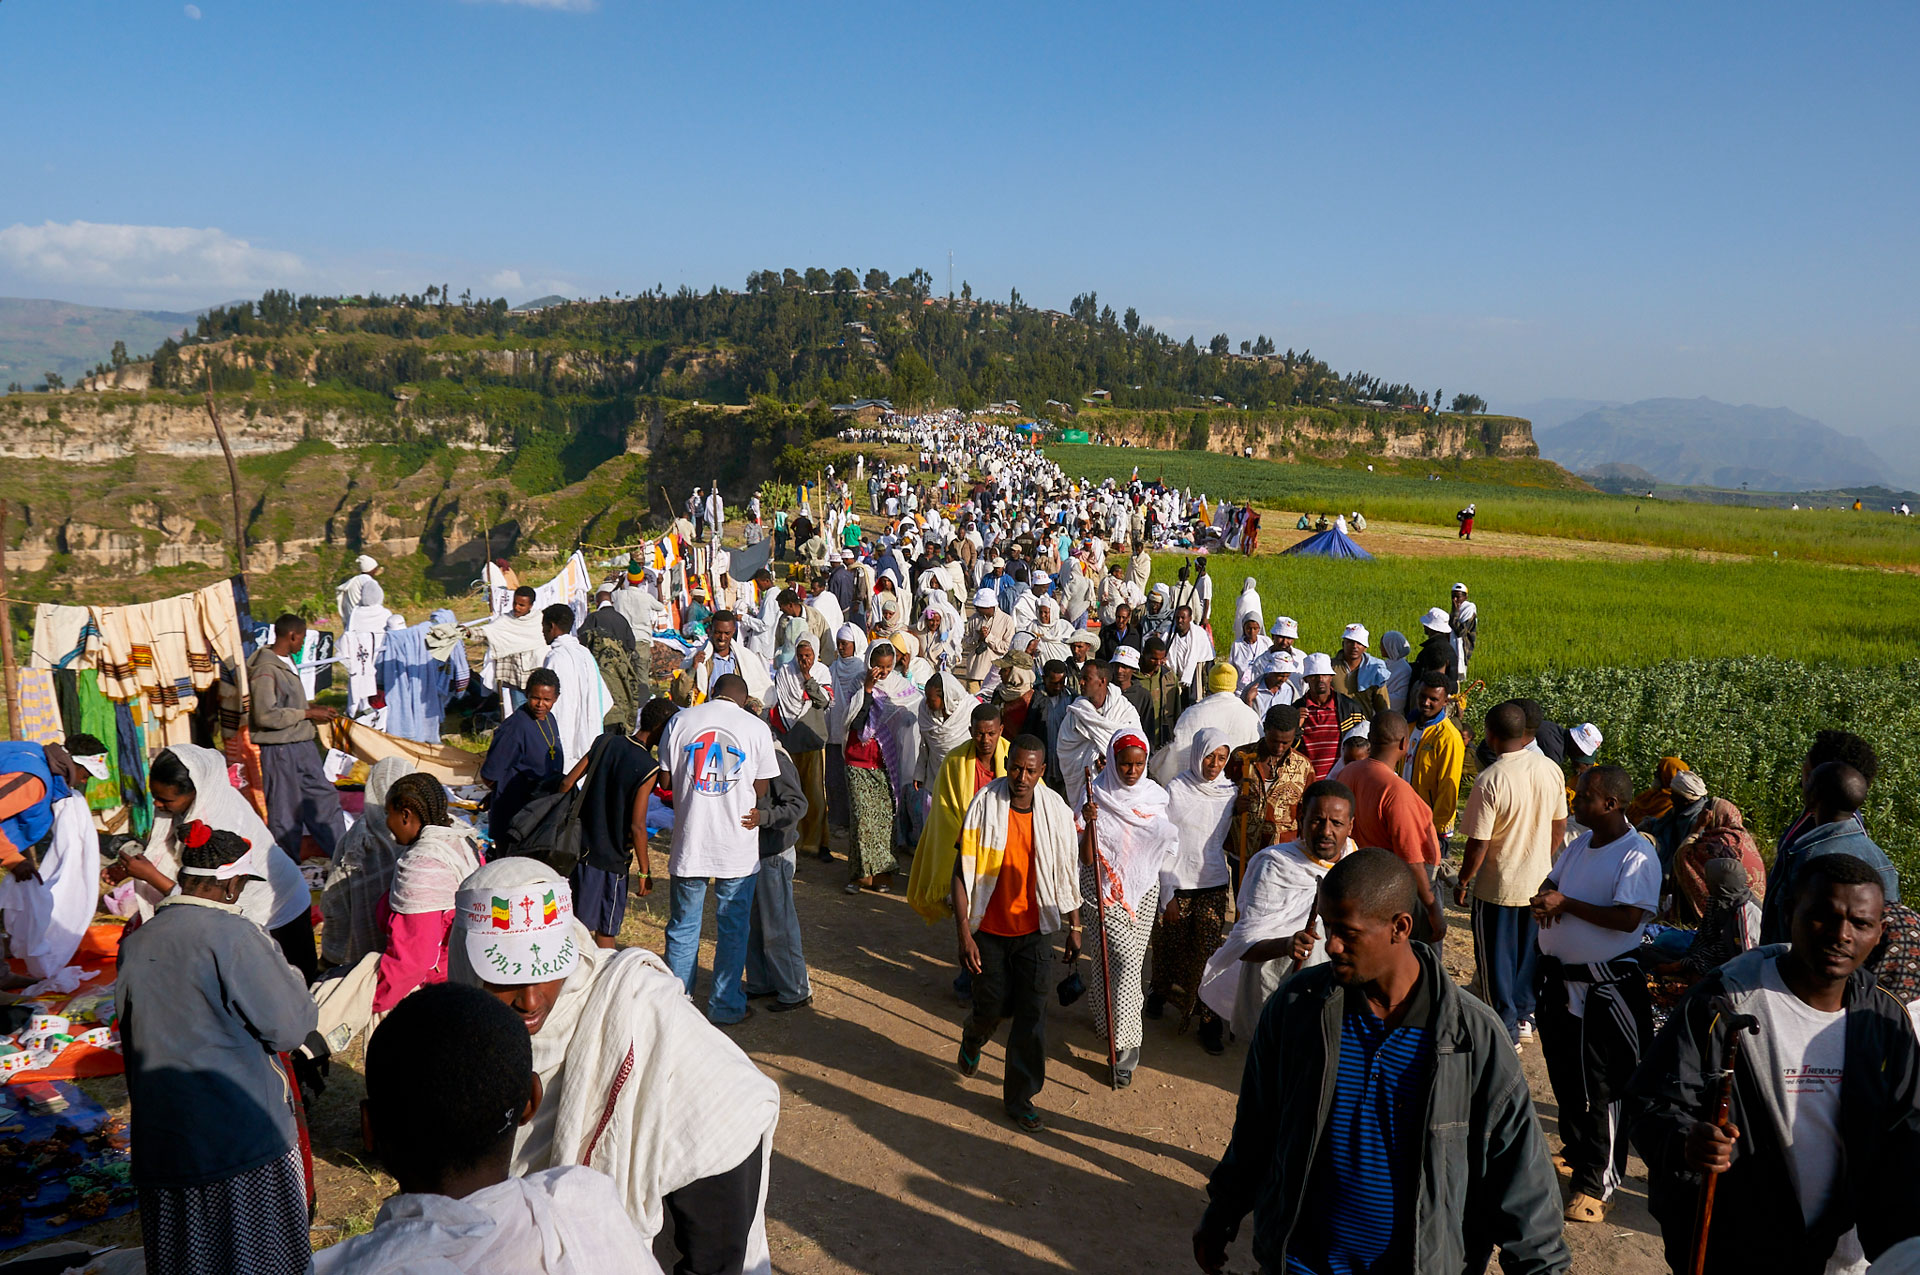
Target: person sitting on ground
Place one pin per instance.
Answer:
(1729, 925)
(450, 1082)
(1819, 1154)
(636, 1082)
(1424, 1152)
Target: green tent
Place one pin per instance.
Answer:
(1073, 436)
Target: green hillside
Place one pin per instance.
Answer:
(37, 337)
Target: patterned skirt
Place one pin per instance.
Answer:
(870, 836)
(254, 1223)
(1126, 938)
(1180, 950)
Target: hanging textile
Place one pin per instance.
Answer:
(97, 720)
(130, 759)
(39, 710)
(60, 633)
(66, 693)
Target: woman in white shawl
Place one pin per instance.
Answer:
(1090, 723)
(940, 637)
(1054, 633)
(436, 857)
(881, 752)
(189, 785)
(846, 678)
(1194, 885)
(1249, 645)
(361, 874)
(800, 701)
(637, 1083)
(1126, 841)
(946, 714)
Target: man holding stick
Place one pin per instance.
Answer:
(1818, 1153)
(1015, 883)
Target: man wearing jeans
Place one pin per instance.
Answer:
(1515, 819)
(722, 759)
(1014, 884)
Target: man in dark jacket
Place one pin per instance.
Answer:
(1384, 1123)
(1824, 1132)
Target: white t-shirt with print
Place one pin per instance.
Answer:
(714, 753)
(1625, 870)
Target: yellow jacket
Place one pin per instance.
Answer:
(1434, 771)
(930, 884)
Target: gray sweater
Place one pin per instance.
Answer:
(279, 701)
(205, 1000)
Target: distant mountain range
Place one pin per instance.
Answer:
(1699, 442)
(37, 337)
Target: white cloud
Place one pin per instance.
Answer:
(143, 263)
(507, 281)
(193, 12)
(565, 6)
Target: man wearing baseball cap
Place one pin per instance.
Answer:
(1360, 676)
(1465, 624)
(1436, 653)
(1326, 716)
(989, 634)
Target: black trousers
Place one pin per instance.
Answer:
(1012, 983)
(712, 1217)
(1589, 1061)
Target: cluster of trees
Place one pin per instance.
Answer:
(797, 336)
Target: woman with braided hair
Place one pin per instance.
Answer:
(435, 857)
(205, 1002)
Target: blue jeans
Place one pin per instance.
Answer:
(732, 916)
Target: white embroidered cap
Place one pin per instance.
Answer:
(518, 934)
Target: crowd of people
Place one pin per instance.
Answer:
(970, 687)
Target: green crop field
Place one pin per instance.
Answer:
(1407, 495)
(1539, 614)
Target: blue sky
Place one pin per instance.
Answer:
(1526, 201)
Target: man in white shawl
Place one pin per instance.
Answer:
(716, 511)
(1189, 650)
(1090, 723)
(1127, 840)
(1248, 648)
(1248, 604)
(442, 1072)
(1194, 885)
(1276, 909)
(637, 1083)
(579, 714)
(723, 653)
(1223, 708)
(989, 634)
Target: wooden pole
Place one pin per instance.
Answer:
(233, 470)
(6, 638)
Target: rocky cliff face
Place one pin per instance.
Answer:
(1319, 433)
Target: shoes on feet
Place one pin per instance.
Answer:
(782, 1007)
(1156, 1006)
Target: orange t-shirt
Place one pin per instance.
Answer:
(1011, 912)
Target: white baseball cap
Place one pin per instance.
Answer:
(1357, 633)
(1458, 587)
(1437, 620)
(1317, 665)
(365, 563)
(1286, 627)
(516, 922)
(1587, 738)
(1083, 637)
(986, 598)
(1126, 657)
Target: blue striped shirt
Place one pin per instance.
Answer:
(1357, 1214)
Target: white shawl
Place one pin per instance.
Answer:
(639, 1085)
(431, 869)
(268, 903)
(1248, 605)
(849, 677)
(1083, 739)
(1132, 833)
(580, 712)
(983, 846)
(1201, 812)
(941, 735)
(1276, 898)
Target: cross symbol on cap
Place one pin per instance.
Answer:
(526, 907)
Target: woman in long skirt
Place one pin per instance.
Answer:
(206, 1001)
(1194, 919)
(1127, 842)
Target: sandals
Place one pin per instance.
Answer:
(1584, 1208)
(1029, 1121)
(1560, 1165)
(969, 1063)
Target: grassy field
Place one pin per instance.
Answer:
(1400, 491)
(1537, 615)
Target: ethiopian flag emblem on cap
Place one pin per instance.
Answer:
(502, 914)
(549, 910)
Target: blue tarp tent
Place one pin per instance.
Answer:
(1331, 543)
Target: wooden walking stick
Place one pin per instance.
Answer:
(1737, 1024)
(1106, 969)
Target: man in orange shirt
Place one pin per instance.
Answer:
(1015, 883)
(1388, 813)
